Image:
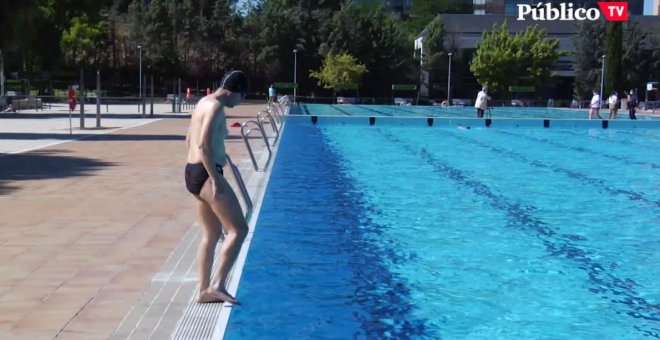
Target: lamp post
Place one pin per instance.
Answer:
(295, 69)
(449, 82)
(602, 78)
(2, 75)
(140, 52)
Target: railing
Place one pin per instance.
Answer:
(246, 135)
(261, 116)
(277, 110)
(23, 102)
(242, 187)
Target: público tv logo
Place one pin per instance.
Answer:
(613, 11)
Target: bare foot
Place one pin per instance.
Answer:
(213, 296)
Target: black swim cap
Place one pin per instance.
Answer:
(235, 81)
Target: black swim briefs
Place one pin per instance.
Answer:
(196, 176)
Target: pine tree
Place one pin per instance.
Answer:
(159, 39)
(588, 47)
(614, 52)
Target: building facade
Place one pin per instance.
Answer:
(510, 7)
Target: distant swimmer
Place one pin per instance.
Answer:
(218, 206)
(461, 127)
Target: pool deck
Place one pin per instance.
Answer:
(87, 225)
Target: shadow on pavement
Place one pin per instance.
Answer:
(52, 115)
(44, 164)
(88, 137)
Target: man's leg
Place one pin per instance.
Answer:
(211, 233)
(226, 207)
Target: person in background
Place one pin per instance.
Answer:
(632, 104)
(9, 108)
(575, 104)
(594, 106)
(271, 95)
(481, 103)
(613, 102)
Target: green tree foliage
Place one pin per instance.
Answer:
(436, 57)
(285, 25)
(640, 59)
(654, 49)
(525, 58)
(136, 32)
(81, 42)
(588, 47)
(614, 53)
(422, 12)
(338, 69)
(159, 38)
(636, 64)
(375, 39)
(217, 32)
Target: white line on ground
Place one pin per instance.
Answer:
(81, 137)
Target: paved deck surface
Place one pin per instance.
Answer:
(85, 225)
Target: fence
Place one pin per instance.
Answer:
(19, 102)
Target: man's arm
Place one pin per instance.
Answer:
(210, 114)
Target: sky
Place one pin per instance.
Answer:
(648, 7)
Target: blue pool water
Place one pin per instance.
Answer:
(455, 112)
(419, 232)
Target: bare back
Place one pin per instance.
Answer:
(207, 121)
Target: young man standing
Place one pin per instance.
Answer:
(217, 204)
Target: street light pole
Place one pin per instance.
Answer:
(140, 52)
(295, 69)
(602, 78)
(2, 75)
(449, 83)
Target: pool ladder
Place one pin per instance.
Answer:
(242, 188)
(274, 115)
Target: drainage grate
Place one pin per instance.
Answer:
(196, 321)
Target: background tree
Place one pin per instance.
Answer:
(525, 58)
(437, 59)
(422, 12)
(337, 69)
(375, 39)
(82, 42)
(614, 53)
(160, 38)
(588, 47)
(135, 34)
(636, 64)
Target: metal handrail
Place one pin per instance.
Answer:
(261, 116)
(242, 187)
(246, 134)
(276, 111)
(280, 106)
(287, 102)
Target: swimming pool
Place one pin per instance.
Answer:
(438, 232)
(454, 112)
